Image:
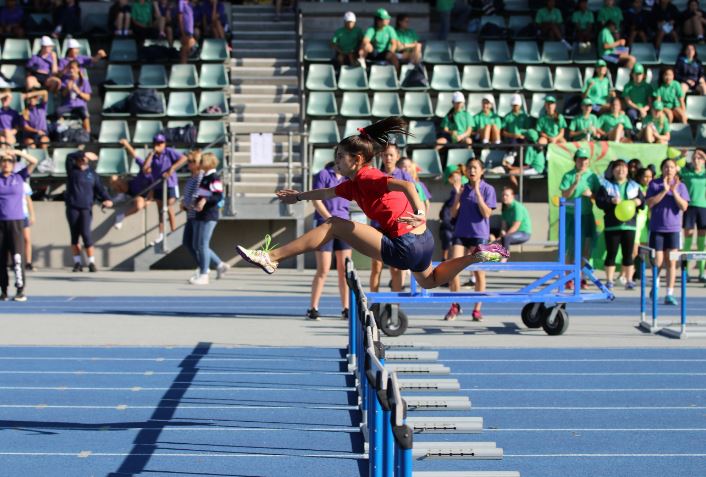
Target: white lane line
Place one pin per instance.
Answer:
(490, 429)
(603, 455)
(579, 390)
(590, 408)
(174, 454)
(575, 374)
(570, 360)
(190, 388)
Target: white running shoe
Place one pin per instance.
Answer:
(199, 279)
(221, 270)
(119, 221)
(258, 258)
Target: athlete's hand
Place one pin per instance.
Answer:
(412, 220)
(288, 196)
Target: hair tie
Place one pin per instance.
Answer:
(362, 131)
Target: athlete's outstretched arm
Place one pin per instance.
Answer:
(291, 196)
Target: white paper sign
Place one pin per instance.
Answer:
(261, 148)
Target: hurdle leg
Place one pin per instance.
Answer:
(684, 275)
(643, 289)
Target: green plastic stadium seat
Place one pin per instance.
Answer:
(352, 125)
(182, 104)
(321, 103)
(680, 135)
(120, 76)
(322, 156)
(554, 52)
(317, 50)
(496, 51)
(496, 20)
(213, 75)
(466, 52)
(505, 104)
(209, 99)
(644, 53)
(179, 123)
(475, 100)
(355, 105)
(445, 78)
(352, 78)
(37, 45)
(443, 104)
(517, 23)
(590, 71)
(145, 129)
(696, 108)
(16, 49)
(321, 77)
(41, 155)
(183, 77)
(417, 105)
(669, 52)
(383, 78)
(516, 5)
(476, 78)
(16, 75)
(323, 131)
(622, 78)
(701, 136)
(59, 158)
(211, 132)
(457, 156)
(506, 78)
(492, 157)
(526, 53)
(123, 50)
(567, 79)
(537, 106)
(112, 98)
(584, 57)
(84, 48)
(538, 78)
(113, 130)
(437, 52)
(423, 132)
(214, 50)
(428, 162)
(152, 76)
(700, 50)
(112, 160)
(403, 75)
(386, 104)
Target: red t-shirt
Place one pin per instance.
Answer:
(369, 190)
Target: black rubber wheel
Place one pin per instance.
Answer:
(383, 317)
(533, 320)
(559, 324)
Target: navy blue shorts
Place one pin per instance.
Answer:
(469, 242)
(662, 241)
(695, 216)
(171, 193)
(408, 251)
(334, 246)
(447, 237)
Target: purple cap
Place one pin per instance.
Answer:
(159, 138)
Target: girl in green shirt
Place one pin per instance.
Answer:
(655, 127)
(487, 124)
(584, 126)
(694, 178)
(615, 125)
(672, 96)
(409, 48)
(638, 94)
(583, 20)
(457, 125)
(551, 125)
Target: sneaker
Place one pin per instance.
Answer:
(702, 278)
(453, 312)
(608, 285)
(3, 296)
(470, 283)
(670, 300)
(570, 285)
(477, 315)
(491, 252)
(20, 296)
(259, 258)
(157, 241)
(622, 280)
(361, 62)
(119, 218)
(92, 267)
(312, 314)
(29, 267)
(221, 270)
(201, 279)
(77, 268)
(344, 314)
(630, 285)
(584, 284)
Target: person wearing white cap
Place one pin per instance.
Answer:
(346, 41)
(516, 122)
(42, 68)
(486, 123)
(457, 125)
(73, 49)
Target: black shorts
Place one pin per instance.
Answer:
(378, 56)
(446, 236)
(469, 242)
(662, 241)
(41, 77)
(171, 193)
(695, 216)
(444, 135)
(408, 251)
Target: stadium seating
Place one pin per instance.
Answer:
(182, 104)
(355, 105)
(383, 78)
(112, 161)
(458, 156)
(211, 132)
(323, 131)
(386, 104)
(526, 53)
(183, 77)
(213, 76)
(145, 129)
(437, 52)
(123, 50)
(152, 76)
(321, 103)
(417, 105)
(466, 52)
(476, 78)
(119, 77)
(321, 78)
(428, 162)
(445, 78)
(113, 130)
(16, 50)
(352, 78)
(538, 78)
(208, 100)
(506, 78)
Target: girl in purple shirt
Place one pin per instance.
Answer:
(35, 131)
(76, 92)
(42, 68)
(472, 209)
(185, 19)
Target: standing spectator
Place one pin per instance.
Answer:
(120, 17)
(516, 225)
(457, 125)
(409, 47)
(551, 125)
(407, 165)
(380, 41)
(73, 49)
(664, 22)
(472, 209)
(656, 127)
(582, 19)
(456, 177)
(611, 47)
(619, 234)
(76, 93)
(638, 94)
(42, 68)
(694, 177)
(12, 195)
(584, 127)
(35, 131)
(193, 163)
(11, 19)
(323, 210)
(10, 120)
(137, 187)
(214, 19)
(615, 125)
(67, 20)
(444, 8)
(693, 21)
(185, 18)
(346, 41)
(163, 19)
(141, 19)
(486, 123)
(644, 177)
(637, 23)
(549, 21)
(28, 211)
(609, 12)
(516, 123)
(634, 166)
(672, 96)
(597, 89)
(584, 183)
(689, 71)
(667, 198)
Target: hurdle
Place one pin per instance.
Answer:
(652, 326)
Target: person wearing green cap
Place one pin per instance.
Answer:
(346, 41)
(551, 124)
(612, 48)
(584, 127)
(638, 94)
(597, 89)
(671, 95)
(549, 21)
(380, 40)
(655, 127)
(583, 20)
(615, 125)
(409, 47)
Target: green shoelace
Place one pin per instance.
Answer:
(266, 247)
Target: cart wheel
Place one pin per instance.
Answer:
(383, 317)
(559, 324)
(533, 319)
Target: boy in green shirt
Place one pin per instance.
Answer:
(655, 127)
(549, 20)
(551, 125)
(672, 96)
(584, 127)
(583, 21)
(612, 48)
(638, 94)
(597, 89)
(487, 123)
(409, 46)
(346, 41)
(380, 40)
(457, 125)
(516, 225)
(615, 125)
(516, 122)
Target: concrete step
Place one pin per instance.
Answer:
(279, 143)
(264, 108)
(265, 53)
(262, 71)
(266, 178)
(269, 89)
(259, 45)
(262, 23)
(244, 157)
(251, 99)
(278, 80)
(238, 62)
(264, 34)
(263, 127)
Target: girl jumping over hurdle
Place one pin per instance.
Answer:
(403, 241)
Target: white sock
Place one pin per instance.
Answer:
(497, 142)
(160, 238)
(485, 141)
(77, 259)
(91, 259)
(670, 291)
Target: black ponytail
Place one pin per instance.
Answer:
(374, 138)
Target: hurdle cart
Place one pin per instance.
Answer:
(545, 299)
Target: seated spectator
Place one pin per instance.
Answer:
(609, 12)
(689, 71)
(136, 188)
(42, 67)
(11, 18)
(655, 127)
(163, 19)
(73, 48)
(346, 41)
(549, 21)
(10, 120)
(551, 124)
(486, 123)
(597, 89)
(614, 50)
(141, 19)
(637, 23)
(75, 92)
(380, 41)
(693, 21)
(664, 22)
(119, 17)
(67, 19)
(185, 18)
(35, 131)
(533, 163)
(516, 123)
(615, 125)
(409, 47)
(457, 125)
(638, 94)
(516, 224)
(214, 21)
(583, 20)
(585, 126)
(670, 93)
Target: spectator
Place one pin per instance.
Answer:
(472, 209)
(10, 120)
(516, 225)
(457, 125)
(516, 123)
(609, 12)
(28, 211)
(689, 71)
(193, 163)
(456, 177)
(409, 47)
(83, 187)
(138, 188)
(163, 19)
(655, 127)
(618, 233)
(670, 93)
(551, 124)
(141, 19)
(11, 19)
(76, 92)
(73, 50)
(444, 8)
(634, 166)
(614, 50)
(584, 183)
(120, 17)
(486, 123)
(615, 125)
(42, 68)
(549, 21)
(35, 131)
(335, 207)
(637, 23)
(407, 165)
(694, 177)
(346, 41)
(667, 198)
(644, 177)
(664, 22)
(214, 20)
(584, 127)
(638, 94)
(582, 20)
(533, 163)
(67, 19)
(185, 18)
(12, 195)
(693, 21)
(380, 41)
(597, 89)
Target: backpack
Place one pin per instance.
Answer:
(415, 78)
(144, 101)
(185, 135)
(75, 136)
